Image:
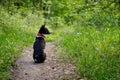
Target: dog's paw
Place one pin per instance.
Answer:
(35, 61)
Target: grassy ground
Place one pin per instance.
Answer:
(96, 52)
(16, 32)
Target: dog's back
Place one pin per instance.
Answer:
(39, 45)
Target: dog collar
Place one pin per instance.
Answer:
(40, 35)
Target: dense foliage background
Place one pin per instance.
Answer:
(87, 31)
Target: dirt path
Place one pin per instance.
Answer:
(52, 69)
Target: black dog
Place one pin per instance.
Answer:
(39, 45)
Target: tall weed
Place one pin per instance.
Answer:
(95, 51)
(16, 32)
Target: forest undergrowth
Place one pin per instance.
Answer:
(17, 31)
(87, 32)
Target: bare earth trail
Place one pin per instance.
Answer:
(52, 69)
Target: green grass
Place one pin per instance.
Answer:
(95, 51)
(16, 33)
(56, 33)
(12, 44)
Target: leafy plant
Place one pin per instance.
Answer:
(16, 32)
(96, 52)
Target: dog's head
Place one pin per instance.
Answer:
(44, 30)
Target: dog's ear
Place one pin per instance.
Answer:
(45, 23)
(43, 26)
